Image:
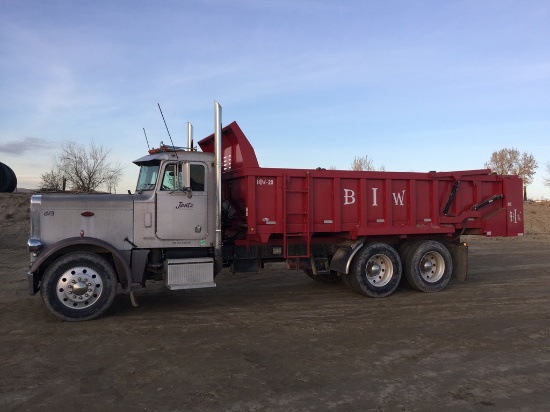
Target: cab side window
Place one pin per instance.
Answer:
(169, 178)
(197, 178)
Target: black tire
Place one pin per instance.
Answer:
(13, 178)
(376, 270)
(331, 277)
(428, 266)
(403, 249)
(79, 286)
(5, 178)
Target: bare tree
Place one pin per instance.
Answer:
(112, 181)
(547, 179)
(86, 169)
(364, 163)
(511, 161)
(52, 180)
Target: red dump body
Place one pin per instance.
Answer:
(298, 205)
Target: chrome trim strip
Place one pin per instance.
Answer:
(36, 203)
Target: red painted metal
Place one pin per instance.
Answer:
(237, 152)
(298, 205)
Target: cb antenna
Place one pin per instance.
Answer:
(147, 140)
(168, 131)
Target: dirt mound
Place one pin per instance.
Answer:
(537, 219)
(14, 220)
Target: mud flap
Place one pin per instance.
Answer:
(341, 260)
(459, 253)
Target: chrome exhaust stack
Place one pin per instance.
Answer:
(218, 257)
(189, 136)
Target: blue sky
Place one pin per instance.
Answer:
(415, 85)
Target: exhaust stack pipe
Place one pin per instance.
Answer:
(189, 136)
(218, 258)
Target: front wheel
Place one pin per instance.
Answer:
(375, 270)
(79, 286)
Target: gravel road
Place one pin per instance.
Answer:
(279, 341)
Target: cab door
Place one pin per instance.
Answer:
(182, 212)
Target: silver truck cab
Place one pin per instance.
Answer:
(174, 202)
(83, 245)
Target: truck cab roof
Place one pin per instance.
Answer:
(172, 155)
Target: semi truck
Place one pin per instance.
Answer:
(194, 213)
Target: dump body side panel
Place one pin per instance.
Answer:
(347, 204)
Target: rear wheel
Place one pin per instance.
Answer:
(79, 286)
(375, 270)
(428, 266)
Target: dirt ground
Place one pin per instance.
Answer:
(279, 341)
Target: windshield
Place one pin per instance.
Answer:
(147, 177)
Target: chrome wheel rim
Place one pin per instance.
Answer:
(432, 267)
(379, 270)
(79, 287)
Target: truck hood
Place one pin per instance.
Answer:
(104, 216)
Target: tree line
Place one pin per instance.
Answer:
(86, 169)
(507, 161)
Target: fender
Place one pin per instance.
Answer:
(341, 260)
(74, 244)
